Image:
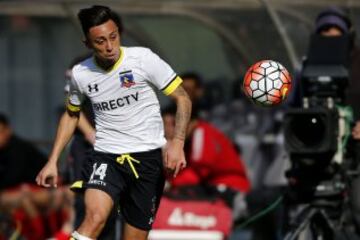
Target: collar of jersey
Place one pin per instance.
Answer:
(115, 66)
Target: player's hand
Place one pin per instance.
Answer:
(356, 131)
(48, 176)
(174, 157)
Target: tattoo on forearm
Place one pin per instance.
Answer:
(183, 113)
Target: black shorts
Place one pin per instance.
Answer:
(136, 189)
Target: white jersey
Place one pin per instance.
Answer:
(127, 111)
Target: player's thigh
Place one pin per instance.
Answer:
(98, 203)
(130, 233)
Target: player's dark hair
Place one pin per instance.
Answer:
(169, 110)
(194, 76)
(4, 120)
(97, 15)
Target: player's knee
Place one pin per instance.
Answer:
(96, 218)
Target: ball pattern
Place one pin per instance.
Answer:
(267, 83)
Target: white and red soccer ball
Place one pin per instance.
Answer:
(267, 83)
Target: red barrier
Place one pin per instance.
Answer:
(194, 215)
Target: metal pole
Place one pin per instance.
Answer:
(290, 49)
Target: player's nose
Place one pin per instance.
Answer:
(109, 46)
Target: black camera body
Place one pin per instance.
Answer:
(314, 132)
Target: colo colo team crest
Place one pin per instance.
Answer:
(127, 79)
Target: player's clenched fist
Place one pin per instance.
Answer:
(47, 177)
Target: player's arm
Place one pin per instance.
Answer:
(86, 128)
(183, 112)
(163, 76)
(175, 157)
(66, 128)
(48, 176)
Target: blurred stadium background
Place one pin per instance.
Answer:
(219, 39)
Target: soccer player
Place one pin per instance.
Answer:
(127, 165)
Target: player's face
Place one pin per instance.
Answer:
(104, 40)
